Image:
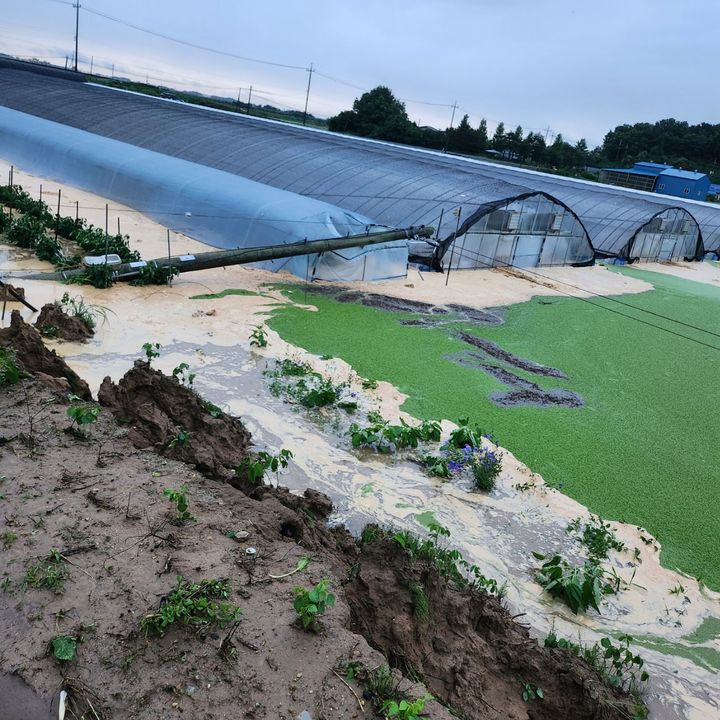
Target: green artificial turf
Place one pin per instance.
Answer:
(644, 449)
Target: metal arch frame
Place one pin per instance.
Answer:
(625, 251)
(443, 245)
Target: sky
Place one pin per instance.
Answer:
(559, 66)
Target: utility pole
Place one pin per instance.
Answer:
(113, 70)
(307, 94)
(238, 100)
(249, 96)
(92, 62)
(77, 31)
(452, 119)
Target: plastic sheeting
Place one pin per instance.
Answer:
(396, 185)
(215, 207)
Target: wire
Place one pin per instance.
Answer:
(187, 43)
(472, 255)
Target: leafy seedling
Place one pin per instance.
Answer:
(183, 374)
(64, 648)
(530, 692)
(49, 573)
(404, 709)
(182, 439)
(152, 351)
(82, 413)
(310, 604)
(179, 499)
(258, 337)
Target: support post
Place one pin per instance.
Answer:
(452, 249)
(307, 93)
(77, 32)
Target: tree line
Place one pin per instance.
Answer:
(379, 114)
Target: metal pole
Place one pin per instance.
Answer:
(118, 225)
(113, 71)
(307, 93)
(169, 280)
(92, 62)
(77, 31)
(452, 249)
(442, 212)
(77, 209)
(40, 192)
(249, 96)
(57, 217)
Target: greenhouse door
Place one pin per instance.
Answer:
(667, 248)
(527, 251)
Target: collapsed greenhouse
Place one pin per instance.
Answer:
(486, 214)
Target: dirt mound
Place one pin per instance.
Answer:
(175, 421)
(538, 397)
(495, 351)
(472, 654)
(37, 359)
(53, 321)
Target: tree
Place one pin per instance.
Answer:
(499, 141)
(483, 140)
(463, 138)
(376, 114)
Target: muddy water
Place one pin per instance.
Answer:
(496, 531)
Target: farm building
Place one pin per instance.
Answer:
(659, 178)
(485, 214)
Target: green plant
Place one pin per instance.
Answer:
(154, 274)
(179, 499)
(420, 603)
(77, 307)
(193, 605)
(49, 573)
(351, 669)
(183, 374)
(64, 648)
(211, 409)
(48, 249)
(325, 393)
(290, 368)
(677, 590)
(486, 465)
(404, 709)
(621, 665)
(466, 435)
(385, 438)
(258, 337)
(597, 536)
(152, 351)
(82, 413)
(254, 468)
(530, 692)
(310, 604)
(8, 537)
(182, 439)
(436, 465)
(25, 232)
(9, 371)
(579, 587)
(369, 384)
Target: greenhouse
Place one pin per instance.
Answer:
(219, 208)
(485, 214)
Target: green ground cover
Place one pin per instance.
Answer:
(644, 449)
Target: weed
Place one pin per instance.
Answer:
(348, 406)
(49, 573)
(579, 587)
(385, 438)
(616, 665)
(436, 465)
(420, 603)
(290, 368)
(193, 605)
(350, 669)
(8, 538)
(9, 371)
(64, 648)
(309, 604)
(369, 534)
(183, 374)
(405, 709)
(154, 274)
(181, 440)
(369, 384)
(82, 413)
(179, 499)
(212, 410)
(382, 685)
(258, 337)
(677, 590)
(466, 435)
(254, 469)
(77, 307)
(49, 331)
(597, 536)
(485, 465)
(324, 394)
(152, 351)
(530, 692)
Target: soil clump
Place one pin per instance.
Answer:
(175, 421)
(53, 321)
(35, 358)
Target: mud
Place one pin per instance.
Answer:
(34, 357)
(472, 654)
(499, 353)
(382, 302)
(158, 408)
(53, 321)
(480, 317)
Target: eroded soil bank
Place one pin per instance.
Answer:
(94, 502)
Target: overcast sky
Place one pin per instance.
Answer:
(570, 66)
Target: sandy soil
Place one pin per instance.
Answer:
(704, 272)
(497, 530)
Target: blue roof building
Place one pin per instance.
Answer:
(659, 178)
